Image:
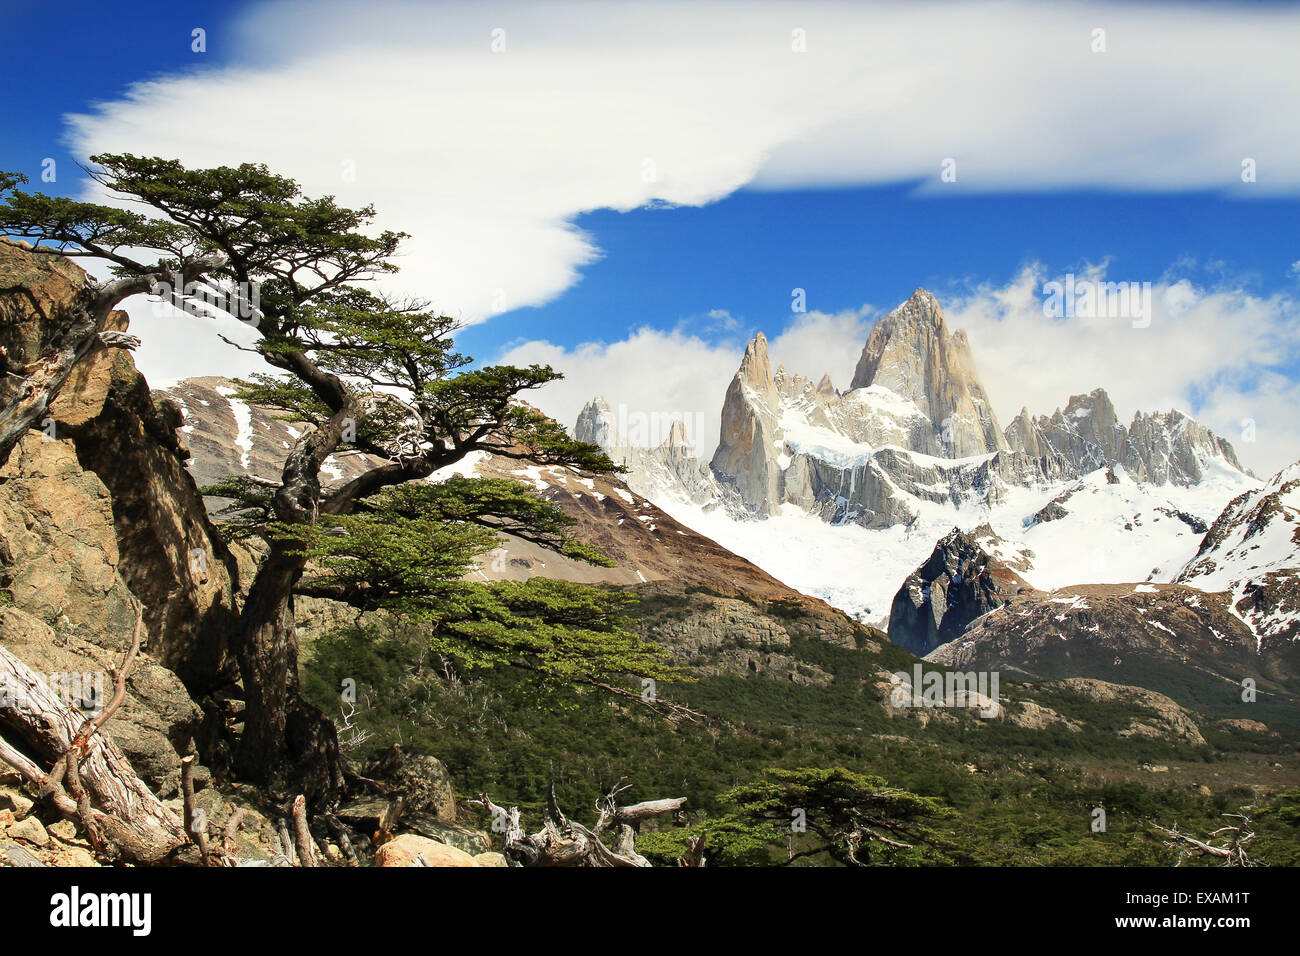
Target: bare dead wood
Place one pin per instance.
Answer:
(198, 829)
(279, 848)
(1232, 852)
(564, 842)
(694, 856)
(114, 805)
(388, 822)
(342, 838)
(306, 849)
(77, 748)
(286, 844)
(229, 845)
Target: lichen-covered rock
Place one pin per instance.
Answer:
(423, 781)
(1167, 720)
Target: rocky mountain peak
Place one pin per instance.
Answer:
(958, 583)
(1160, 447)
(911, 352)
(1096, 404)
(596, 424)
(756, 367)
(825, 389)
(676, 435)
(747, 451)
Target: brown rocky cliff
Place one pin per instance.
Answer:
(160, 540)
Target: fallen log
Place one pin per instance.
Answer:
(42, 731)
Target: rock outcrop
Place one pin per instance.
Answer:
(668, 471)
(1252, 553)
(1182, 642)
(749, 444)
(1160, 448)
(164, 548)
(960, 582)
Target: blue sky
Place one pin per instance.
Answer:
(745, 253)
(772, 171)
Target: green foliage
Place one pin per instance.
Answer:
(1016, 796)
(269, 231)
(409, 549)
(570, 633)
(856, 819)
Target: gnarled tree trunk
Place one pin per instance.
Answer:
(287, 744)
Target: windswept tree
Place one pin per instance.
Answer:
(855, 819)
(372, 376)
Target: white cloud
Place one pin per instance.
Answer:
(1217, 354)
(818, 343)
(485, 158)
(650, 373)
(654, 372)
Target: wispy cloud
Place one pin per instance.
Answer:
(1221, 354)
(484, 130)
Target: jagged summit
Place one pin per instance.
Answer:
(1157, 447)
(749, 440)
(912, 353)
(596, 424)
(756, 367)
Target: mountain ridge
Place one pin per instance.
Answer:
(1137, 496)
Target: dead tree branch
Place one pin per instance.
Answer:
(1232, 851)
(306, 848)
(564, 842)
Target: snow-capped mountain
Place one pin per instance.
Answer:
(852, 489)
(1250, 552)
(668, 472)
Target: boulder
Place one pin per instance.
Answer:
(30, 830)
(422, 780)
(412, 850)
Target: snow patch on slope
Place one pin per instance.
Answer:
(1111, 534)
(243, 424)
